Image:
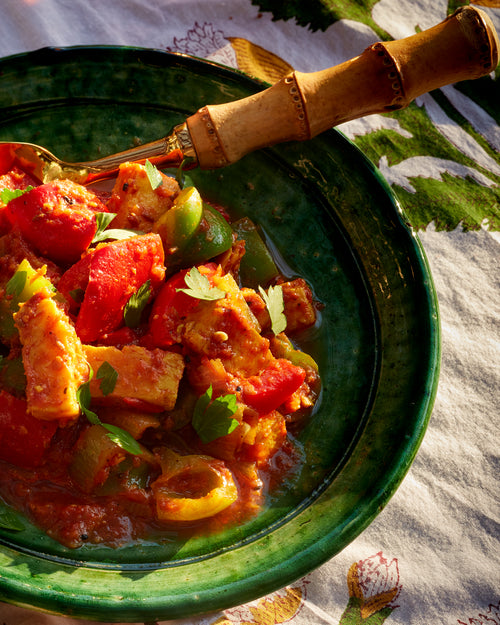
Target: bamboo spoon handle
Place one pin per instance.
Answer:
(385, 77)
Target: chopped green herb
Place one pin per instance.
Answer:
(136, 304)
(103, 220)
(199, 286)
(84, 400)
(154, 176)
(6, 195)
(275, 306)
(16, 284)
(120, 437)
(108, 376)
(213, 419)
(123, 439)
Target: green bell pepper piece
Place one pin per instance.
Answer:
(213, 236)
(12, 377)
(178, 224)
(24, 283)
(257, 266)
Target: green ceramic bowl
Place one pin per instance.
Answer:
(334, 221)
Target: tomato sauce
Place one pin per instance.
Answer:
(145, 389)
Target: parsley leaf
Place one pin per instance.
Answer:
(212, 419)
(136, 304)
(154, 176)
(108, 376)
(6, 195)
(199, 287)
(103, 220)
(119, 436)
(275, 306)
(122, 438)
(9, 519)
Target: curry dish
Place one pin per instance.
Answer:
(150, 374)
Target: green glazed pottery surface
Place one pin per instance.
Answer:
(332, 220)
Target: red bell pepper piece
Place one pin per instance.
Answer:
(74, 281)
(23, 438)
(268, 390)
(12, 180)
(116, 271)
(171, 308)
(57, 219)
(7, 158)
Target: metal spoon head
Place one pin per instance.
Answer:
(40, 163)
(44, 166)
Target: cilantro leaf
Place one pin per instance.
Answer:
(103, 220)
(199, 286)
(122, 438)
(136, 304)
(84, 400)
(213, 419)
(154, 176)
(108, 376)
(275, 306)
(119, 436)
(9, 519)
(6, 195)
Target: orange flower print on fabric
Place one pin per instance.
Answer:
(280, 607)
(374, 587)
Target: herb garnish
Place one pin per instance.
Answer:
(120, 437)
(154, 175)
(275, 306)
(212, 419)
(108, 376)
(136, 304)
(199, 286)
(6, 195)
(103, 220)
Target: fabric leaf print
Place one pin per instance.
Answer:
(258, 62)
(428, 167)
(447, 188)
(320, 14)
(456, 135)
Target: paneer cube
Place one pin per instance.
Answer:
(136, 204)
(227, 329)
(54, 361)
(298, 304)
(150, 375)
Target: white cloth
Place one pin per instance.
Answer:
(438, 536)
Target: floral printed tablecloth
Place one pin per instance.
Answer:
(432, 556)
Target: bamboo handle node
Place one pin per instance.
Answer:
(387, 76)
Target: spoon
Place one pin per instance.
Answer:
(386, 77)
